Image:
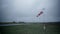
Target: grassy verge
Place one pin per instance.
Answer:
(30, 29)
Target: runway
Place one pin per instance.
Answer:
(12, 24)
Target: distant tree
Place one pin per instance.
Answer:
(22, 22)
(14, 22)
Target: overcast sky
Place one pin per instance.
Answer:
(26, 10)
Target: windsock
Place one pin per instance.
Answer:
(39, 14)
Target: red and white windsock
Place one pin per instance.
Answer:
(39, 14)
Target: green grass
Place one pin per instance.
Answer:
(29, 29)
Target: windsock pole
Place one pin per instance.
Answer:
(44, 27)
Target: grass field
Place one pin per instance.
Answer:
(30, 29)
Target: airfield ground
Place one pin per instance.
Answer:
(37, 28)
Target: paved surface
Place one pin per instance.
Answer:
(12, 24)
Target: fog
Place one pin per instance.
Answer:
(26, 10)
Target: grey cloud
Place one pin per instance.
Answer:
(26, 10)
